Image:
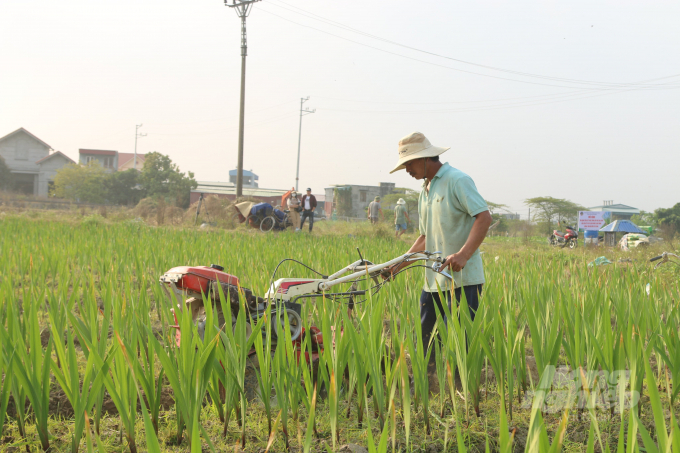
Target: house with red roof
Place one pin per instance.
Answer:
(126, 161)
(112, 160)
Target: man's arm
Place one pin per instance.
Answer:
(418, 246)
(477, 234)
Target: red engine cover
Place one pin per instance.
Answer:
(198, 278)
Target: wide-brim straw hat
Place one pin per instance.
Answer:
(245, 207)
(401, 201)
(416, 146)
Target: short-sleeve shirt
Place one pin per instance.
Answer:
(446, 218)
(374, 209)
(400, 214)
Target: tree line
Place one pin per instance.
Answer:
(549, 209)
(159, 178)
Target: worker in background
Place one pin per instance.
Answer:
(401, 218)
(308, 206)
(375, 210)
(295, 208)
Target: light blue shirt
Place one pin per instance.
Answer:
(446, 218)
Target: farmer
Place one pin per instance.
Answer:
(401, 218)
(294, 207)
(454, 219)
(308, 206)
(374, 210)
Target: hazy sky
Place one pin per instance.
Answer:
(565, 116)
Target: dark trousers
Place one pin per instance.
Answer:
(307, 215)
(428, 312)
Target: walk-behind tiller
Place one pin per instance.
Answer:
(187, 285)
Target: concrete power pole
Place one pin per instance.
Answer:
(303, 112)
(137, 134)
(242, 8)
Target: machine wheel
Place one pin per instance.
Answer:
(294, 324)
(572, 244)
(551, 240)
(267, 224)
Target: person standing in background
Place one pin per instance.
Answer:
(401, 218)
(375, 210)
(308, 206)
(294, 207)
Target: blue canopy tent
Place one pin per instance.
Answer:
(619, 226)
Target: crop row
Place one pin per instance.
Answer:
(95, 289)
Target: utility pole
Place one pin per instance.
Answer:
(303, 112)
(137, 134)
(242, 8)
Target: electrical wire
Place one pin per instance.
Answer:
(494, 68)
(448, 102)
(419, 60)
(491, 107)
(616, 90)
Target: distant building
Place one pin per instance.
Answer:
(618, 211)
(320, 210)
(360, 197)
(126, 161)
(228, 190)
(107, 159)
(112, 160)
(33, 162)
(249, 178)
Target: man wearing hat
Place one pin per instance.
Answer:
(454, 219)
(308, 206)
(401, 218)
(375, 210)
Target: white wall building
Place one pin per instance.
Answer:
(33, 162)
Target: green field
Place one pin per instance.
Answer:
(560, 355)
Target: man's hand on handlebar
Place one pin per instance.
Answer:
(455, 262)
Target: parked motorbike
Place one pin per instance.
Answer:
(568, 239)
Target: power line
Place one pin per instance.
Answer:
(439, 65)
(491, 107)
(494, 68)
(449, 102)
